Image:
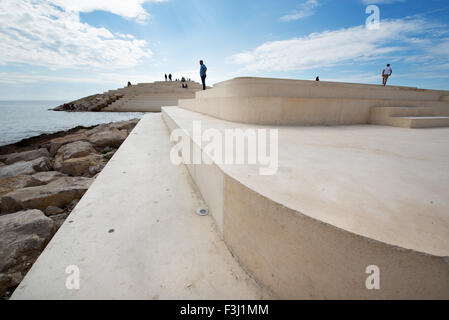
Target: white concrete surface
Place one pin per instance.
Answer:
(159, 249)
(344, 198)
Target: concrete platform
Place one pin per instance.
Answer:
(344, 198)
(298, 102)
(135, 235)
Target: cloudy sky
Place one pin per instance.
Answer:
(66, 49)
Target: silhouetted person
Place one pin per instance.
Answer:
(165, 77)
(129, 84)
(386, 73)
(203, 70)
(169, 77)
(317, 79)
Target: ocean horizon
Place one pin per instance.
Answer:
(21, 119)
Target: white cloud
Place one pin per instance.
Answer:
(305, 9)
(38, 33)
(330, 48)
(129, 9)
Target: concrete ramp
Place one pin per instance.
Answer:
(135, 235)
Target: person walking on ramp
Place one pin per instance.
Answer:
(203, 70)
(386, 73)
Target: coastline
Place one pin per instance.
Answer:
(42, 178)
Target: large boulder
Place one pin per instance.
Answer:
(76, 149)
(83, 166)
(58, 193)
(25, 168)
(124, 125)
(100, 128)
(57, 143)
(18, 182)
(24, 156)
(47, 177)
(109, 138)
(23, 236)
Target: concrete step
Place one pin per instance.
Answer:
(303, 111)
(136, 235)
(363, 199)
(411, 117)
(421, 122)
(260, 87)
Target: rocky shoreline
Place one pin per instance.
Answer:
(93, 103)
(41, 181)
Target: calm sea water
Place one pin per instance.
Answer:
(25, 119)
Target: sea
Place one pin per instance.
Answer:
(25, 119)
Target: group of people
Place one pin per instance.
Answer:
(203, 70)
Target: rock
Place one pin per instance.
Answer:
(59, 219)
(52, 211)
(100, 128)
(25, 168)
(76, 149)
(109, 138)
(18, 182)
(80, 166)
(57, 193)
(72, 205)
(23, 236)
(55, 144)
(124, 125)
(2, 164)
(24, 156)
(47, 177)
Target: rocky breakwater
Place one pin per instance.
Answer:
(96, 102)
(41, 181)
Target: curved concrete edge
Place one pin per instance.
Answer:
(298, 257)
(247, 87)
(297, 111)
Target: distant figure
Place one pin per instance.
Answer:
(203, 70)
(165, 77)
(129, 84)
(386, 73)
(183, 79)
(169, 77)
(317, 79)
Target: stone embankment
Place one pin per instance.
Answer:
(41, 181)
(94, 103)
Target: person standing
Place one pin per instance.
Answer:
(165, 77)
(386, 73)
(203, 70)
(169, 76)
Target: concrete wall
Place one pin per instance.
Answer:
(297, 102)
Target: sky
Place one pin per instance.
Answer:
(68, 49)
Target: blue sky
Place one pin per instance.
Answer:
(66, 49)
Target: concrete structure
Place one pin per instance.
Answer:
(135, 235)
(344, 198)
(298, 102)
(150, 97)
